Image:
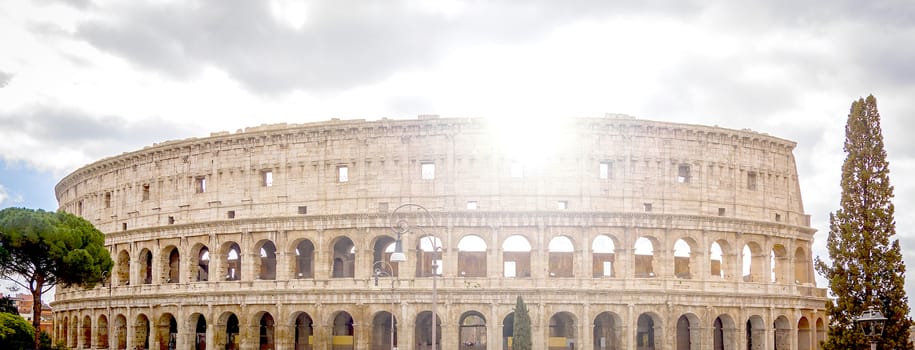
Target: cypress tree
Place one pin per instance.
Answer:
(521, 331)
(867, 269)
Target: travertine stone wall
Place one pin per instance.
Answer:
(720, 193)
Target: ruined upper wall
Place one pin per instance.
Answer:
(733, 173)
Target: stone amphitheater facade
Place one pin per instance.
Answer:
(635, 235)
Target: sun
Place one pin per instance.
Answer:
(529, 142)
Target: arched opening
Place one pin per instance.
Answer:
(561, 253)
(167, 332)
(778, 261)
(756, 333)
(123, 269)
(508, 331)
(120, 332)
(230, 333)
(199, 324)
(803, 334)
(202, 267)
(381, 255)
(423, 332)
(683, 253)
(304, 259)
(716, 267)
(607, 332)
(724, 333)
(172, 262)
(146, 267)
(64, 331)
(516, 257)
(644, 258)
(141, 332)
(86, 336)
(428, 256)
(267, 263)
(801, 267)
(384, 333)
(562, 333)
(472, 256)
(343, 333)
(782, 333)
(102, 331)
(683, 339)
(472, 332)
(603, 256)
(688, 332)
(646, 337)
(821, 332)
(753, 261)
(344, 258)
(266, 332)
(74, 332)
(232, 262)
(303, 332)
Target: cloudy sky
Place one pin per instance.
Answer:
(83, 79)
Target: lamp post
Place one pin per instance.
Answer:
(871, 322)
(380, 272)
(401, 226)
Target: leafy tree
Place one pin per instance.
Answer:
(15, 332)
(521, 329)
(45, 340)
(867, 268)
(6, 305)
(43, 249)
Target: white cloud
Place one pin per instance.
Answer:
(3, 195)
(94, 79)
(7, 199)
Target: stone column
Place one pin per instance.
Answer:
(697, 337)
(664, 256)
(449, 254)
(405, 331)
(539, 257)
(493, 328)
(631, 321)
(584, 329)
(249, 261)
(700, 262)
(322, 261)
(131, 325)
(321, 335)
(732, 265)
(134, 269)
(250, 335)
(283, 269)
(494, 255)
(360, 330)
(450, 331)
(624, 256)
(538, 331)
(284, 336)
(216, 270)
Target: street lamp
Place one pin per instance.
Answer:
(401, 226)
(381, 272)
(871, 322)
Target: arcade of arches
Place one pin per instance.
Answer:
(630, 317)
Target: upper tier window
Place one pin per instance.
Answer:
(428, 170)
(683, 175)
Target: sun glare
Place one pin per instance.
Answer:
(528, 142)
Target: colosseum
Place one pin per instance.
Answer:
(630, 234)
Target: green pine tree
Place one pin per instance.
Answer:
(521, 331)
(867, 267)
